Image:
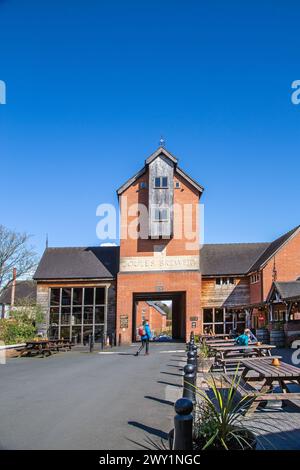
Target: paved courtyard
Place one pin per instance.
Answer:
(78, 400)
(112, 400)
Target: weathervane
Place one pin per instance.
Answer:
(162, 142)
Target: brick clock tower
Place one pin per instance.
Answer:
(159, 246)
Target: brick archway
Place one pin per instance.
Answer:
(178, 311)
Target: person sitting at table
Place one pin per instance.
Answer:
(245, 338)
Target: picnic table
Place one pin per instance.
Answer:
(37, 347)
(45, 347)
(221, 342)
(208, 338)
(268, 374)
(231, 353)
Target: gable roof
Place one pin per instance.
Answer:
(229, 258)
(151, 303)
(273, 248)
(240, 258)
(24, 290)
(160, 151)
(96, 262)
(286, 290)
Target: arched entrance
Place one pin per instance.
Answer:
(175, 323)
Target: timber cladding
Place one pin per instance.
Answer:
(213, 295)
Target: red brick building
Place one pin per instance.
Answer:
(154, 314)
(97, 290)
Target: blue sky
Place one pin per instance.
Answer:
(91, 86)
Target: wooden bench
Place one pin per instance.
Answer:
(238, 360)
(255, 397)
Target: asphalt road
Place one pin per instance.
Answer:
(78, 400)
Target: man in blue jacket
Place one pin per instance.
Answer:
(145, 334)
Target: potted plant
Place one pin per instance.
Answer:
(219, 419)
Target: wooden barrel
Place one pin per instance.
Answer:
(277, 338)
(262, 335)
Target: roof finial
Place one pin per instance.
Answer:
(47, 241)
(162, 142)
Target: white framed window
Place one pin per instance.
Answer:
(254, 278)
(225, 281)
(161, 182)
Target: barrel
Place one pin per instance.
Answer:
(262, 335)
(277, 338)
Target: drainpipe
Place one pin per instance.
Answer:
(13, 288)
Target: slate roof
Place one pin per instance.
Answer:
(239, 258)
(103, 262)
(24, 290)
(273, 248)
(157, 307)
(288, 290)
(229, 258)
(166, 153)
(96, 262)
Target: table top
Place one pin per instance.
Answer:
(230, 347)
(265, 368)
(221, 342)
(40, 341)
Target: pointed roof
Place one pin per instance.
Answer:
(240, 258)
(286, 290)
(273, 248)
(160, 152)
(95, 262)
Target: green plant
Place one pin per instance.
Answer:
(21, 326)
(218, 422)
(204, 351)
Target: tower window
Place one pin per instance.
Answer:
(161, 182)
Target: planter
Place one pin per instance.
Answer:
(205, 364)
(232, 444)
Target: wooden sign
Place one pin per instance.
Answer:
(194, 318)
(123, 321)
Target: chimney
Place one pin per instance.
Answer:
(13, 288)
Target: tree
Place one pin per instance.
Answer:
(15, 252)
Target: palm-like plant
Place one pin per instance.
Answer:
(219, 419)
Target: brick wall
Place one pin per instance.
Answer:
(188, 282)
(287, 262)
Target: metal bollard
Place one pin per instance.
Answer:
(195, 350)
(183, 424)
(189, 380)
(91, 343)
(191, 358)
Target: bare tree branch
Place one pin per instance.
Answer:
(15, 253)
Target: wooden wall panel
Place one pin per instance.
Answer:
(225, 296)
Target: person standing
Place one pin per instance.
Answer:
(145, 334)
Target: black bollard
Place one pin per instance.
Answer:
(189, 380)
(183, 424)
(191, 358)
(195, 350)
(91, 343)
